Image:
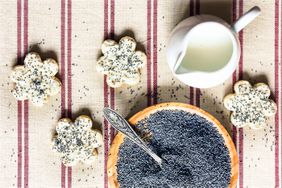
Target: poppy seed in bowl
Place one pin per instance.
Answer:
(194, 152)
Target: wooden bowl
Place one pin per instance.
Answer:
(119, 138)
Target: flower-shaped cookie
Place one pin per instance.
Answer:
(76, 141)
(121, 63)
(250, 105)
(35, 80)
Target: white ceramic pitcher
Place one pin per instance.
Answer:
(203, 50)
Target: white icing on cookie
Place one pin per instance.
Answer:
(120, 62)
(250, 105)
(76, 141)
(35, 80)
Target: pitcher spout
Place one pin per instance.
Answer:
(178, 69)
(182, 70)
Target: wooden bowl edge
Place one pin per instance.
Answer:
(119, 138)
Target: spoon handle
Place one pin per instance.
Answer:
(120, 124)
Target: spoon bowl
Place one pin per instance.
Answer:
(121, 125)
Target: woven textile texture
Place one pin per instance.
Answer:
(72, 31)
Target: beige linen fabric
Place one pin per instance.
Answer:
(71, 31)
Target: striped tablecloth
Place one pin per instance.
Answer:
(71, 31)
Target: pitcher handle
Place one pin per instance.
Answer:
(247, 18)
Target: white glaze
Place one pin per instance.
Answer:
(121, 63)
(35, 80)
(250, 105)
(76, 141)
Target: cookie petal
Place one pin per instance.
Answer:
(55, 86)
(257, 125)
(109, 48)
(114, 81)
(127, 45)
(75, 143)
(103, 65)
(69, 160)
(50, 67)
(38, 100)
(229, 102)
(32, 60)
(97, 138)
(269, 107)
(237, 120)
(20, 93)
(242, 87)
(59, 145)
(88, 156)
(55, 145)
(132, 79)
(262, 90)
(257, 120)
(83, 122)
(139, 59)
(63, 125)
(17, 73)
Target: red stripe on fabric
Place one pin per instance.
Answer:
(198, 96)
(241, 42)
(69, 74)
(278, 111)
(26, 107)
(63, 87)
(25, 26)
(241, 158)
(234, 129)
(191, 95)
(106, 102)
(106, 18)
(149, 20)
(112, 105)
(19, 30)
(112, 90)
(234, 135)
(234, 8)
(19, 103)
(198, 91)
(241, 133)
(191, 8)
(234, 75)
(155, 52)
(106, 141)
(280, 97)
(277, 92)
(192, 13)
(197, 7)
(63, 175)
(19, 178)
(69, 177)
(106, 138)
(112, 21)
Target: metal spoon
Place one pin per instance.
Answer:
(120, 124)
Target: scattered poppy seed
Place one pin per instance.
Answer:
(194, 151)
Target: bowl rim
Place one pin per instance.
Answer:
(119, 138)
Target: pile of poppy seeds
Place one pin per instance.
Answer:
(193, 150)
